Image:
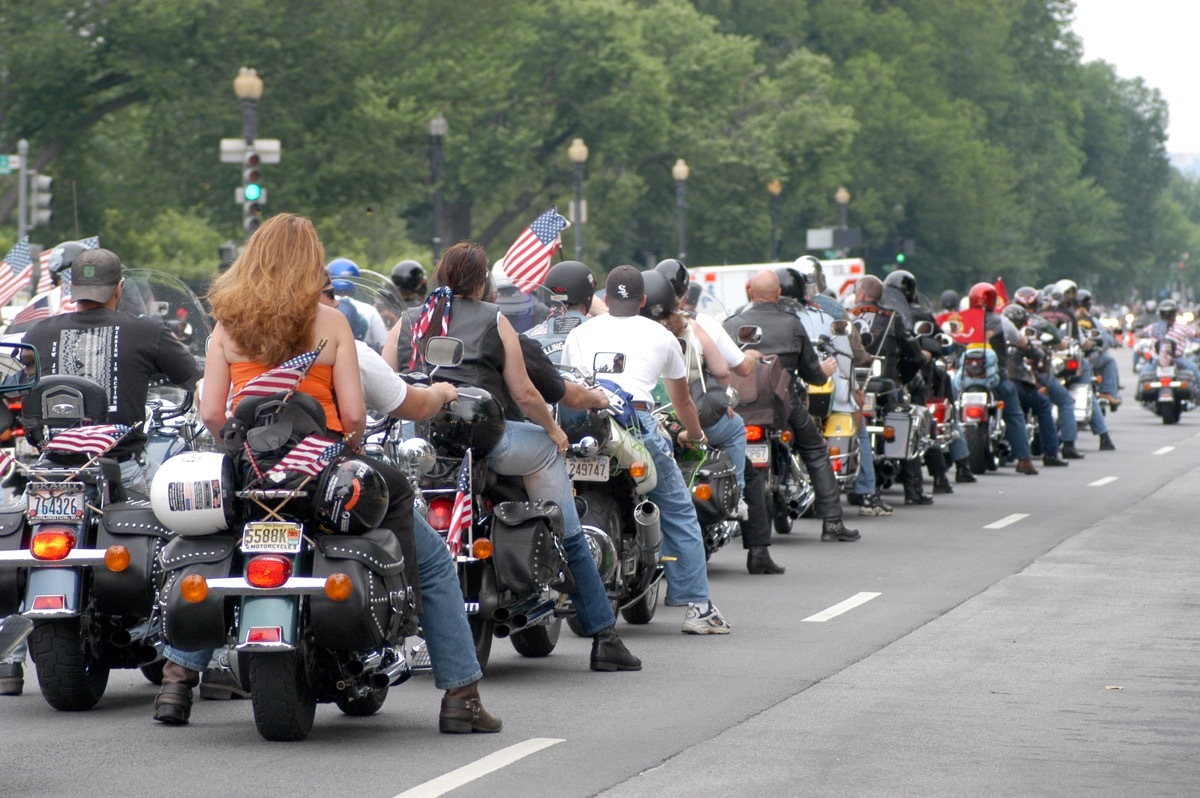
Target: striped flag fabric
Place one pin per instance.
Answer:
(15, 271)
(309, 457)
(6, 460)
(46, 263)
(528, 259)
(462, 513)
(34, 311)
(92, 440)
(284, 377)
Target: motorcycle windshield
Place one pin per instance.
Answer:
(527, 307)
(149, 292)
(893, 299)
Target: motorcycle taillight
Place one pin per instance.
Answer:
(754, 433)
(440, 511)
(52, 543)
(974, 412)
(268, 570)
(1072, 365)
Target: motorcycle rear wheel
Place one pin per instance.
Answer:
(369, 704)
(284, 701)
(1169, 413)
(154, 671)
(977, 447)
(642, 611)
(537, 641)
(70, 678)
(482, 631)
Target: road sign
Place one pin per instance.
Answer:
(9, 163)
(234, 150)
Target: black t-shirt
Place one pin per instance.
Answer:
(119, 351)
(542, 373)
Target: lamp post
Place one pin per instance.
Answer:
(578, 153)
(248, 87)
(680, 172)
(438, 128)
(842, 198)
(774, 188)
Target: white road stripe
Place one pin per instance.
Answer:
(1006, 520)
(480, 767)
(856, 600)
(1164, 450)
(1102, 482)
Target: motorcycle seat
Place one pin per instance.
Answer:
(881, 385)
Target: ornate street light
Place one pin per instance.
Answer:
(438, 128)
(680, 172)
(248, 87)
(578, 153)
(774, 188)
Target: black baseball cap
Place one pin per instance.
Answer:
(95, 274)
(624, 291)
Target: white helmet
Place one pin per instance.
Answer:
(192, 493)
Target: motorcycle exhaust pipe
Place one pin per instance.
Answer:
(649, 530)
(120, 638)
(364, 663)
(505, 614)
(147, 654)
(502, 630)
(522, 619)
(396, 673)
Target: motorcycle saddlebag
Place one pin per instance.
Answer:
(188, 626)
(718, 472)
(381, 600)
(528, 550)
(899, 447)
(131, 524)
(12, 534)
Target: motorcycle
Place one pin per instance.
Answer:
(980, 412)
(1164, 392)
(832, 408)
(1068, 369)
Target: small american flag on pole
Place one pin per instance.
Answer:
(93, 440)
(15, 270)
(34, 311)
(309, 457)
(528, 259)
(284, 377)
(461, 514)
(46, 262)
(6, 460)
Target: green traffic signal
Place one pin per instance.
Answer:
(252, 192)
(900, 257)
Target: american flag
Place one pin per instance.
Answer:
(44, 262)
(284, 377)
(93, 440)
(528, 259)
(34, 311)
(15, 270)
(310, 457)
(6, 460)
(460, 515)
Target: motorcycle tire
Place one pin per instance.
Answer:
(154, 671)
(642, 611)
(283, 700)
(537, 641)
(369, 704)
(1170, 413)
(70, 678)
(977, 447)
(482, 631)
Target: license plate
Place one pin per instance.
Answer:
(57, 505)
(588, 469)
(272, 536)
(869, 404)
(974, 398)
(1166, 371)
(758, 454)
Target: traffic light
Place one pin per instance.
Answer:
(39, 199)
(900, 258)
(252, 195)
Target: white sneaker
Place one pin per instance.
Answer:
(743, 511)
(704, 619)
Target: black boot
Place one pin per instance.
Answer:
(12, 678)
(833, 529)
(914, 495)
(758, 561)
(942, 485)
(1106, 444)
(173, 704)
(1053, 460)
(610, 654)
(1069, 452)
(462, 712)
(963, 473)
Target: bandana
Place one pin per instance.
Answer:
(426, 319)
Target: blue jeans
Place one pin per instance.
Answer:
(526, 451)
(683, 544)
(443, 617)
(1106, 366)
(729, 435)
(864, 483)
(1032, 399)
(1068, 428)
(1014, 420)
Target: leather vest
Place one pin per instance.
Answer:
(474, 323)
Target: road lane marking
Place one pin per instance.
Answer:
(1006, 520)
(1102, 482)
(1164, 450)
(480, 767)
(858, 599)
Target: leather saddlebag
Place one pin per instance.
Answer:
(381, 601)
(527, 538)
(188, 626)
(131, 524)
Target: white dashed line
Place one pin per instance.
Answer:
(1102, 482)
(1006, 520)
(856, 600)
(1164, 450)
(480, 767)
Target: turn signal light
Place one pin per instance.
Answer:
(1000, 405)
(889, 433)
(702, 492)
(637, 470)
(116, 558)
(754, 434)
(52, 544)
(440, 511)
(338, 587)
(836, 465)
(834, 451)
(786, 436)
(268, 570)
(193, 588)
(481, 549)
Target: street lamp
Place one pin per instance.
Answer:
(438, 128)
(578, 153)
(248, 87)
(842, 198)
(680, 172)
(774, 188)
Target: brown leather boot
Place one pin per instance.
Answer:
(462, 713)
(173, 704)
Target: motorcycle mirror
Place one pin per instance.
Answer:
(749, 334)
(1047, 338)
(444, 352)
(18, 367)
(867, 338)
(608, 363)
(924, 328)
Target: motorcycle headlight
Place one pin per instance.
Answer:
(417, 456)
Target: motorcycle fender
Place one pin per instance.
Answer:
(65, 582)
(12, 538)
(269, 612)
(840, 425)
(134, 526)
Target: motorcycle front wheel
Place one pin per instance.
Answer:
(70, 678)
(281, 695)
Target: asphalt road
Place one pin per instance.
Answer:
(1023, 636)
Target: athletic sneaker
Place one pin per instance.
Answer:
(704, 619)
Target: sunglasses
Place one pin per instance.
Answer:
(328, 292)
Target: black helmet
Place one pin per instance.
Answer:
(1167, 309)
(676, 274)
(1027, 297)
(791, 283)
(660, 296)
(949, 299)
(61, 258)
(408, 275)
(692, 297)
(351, 498)
(1083, 298)
(905, 281)
(813, 272)
(574, 279)
(475, 421)
(1016, 314)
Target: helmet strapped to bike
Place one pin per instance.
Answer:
(660, 296)
(475, 421)
(342, 267)
(905, 282)
(676, 274)
(983, 295)
(792, 283)
(572, 279)
(351, 498)
(812, 271)
(192, 493)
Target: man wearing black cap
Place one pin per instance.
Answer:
(649, 352)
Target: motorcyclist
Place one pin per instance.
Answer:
(784, 335)
(1022, 377)
(1026, 298)
(376, 330)
(814, 277)
(409, 278)
(650, 352)
(1173, 336)
(574, 281)
(1100, 359)
(949, 300)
